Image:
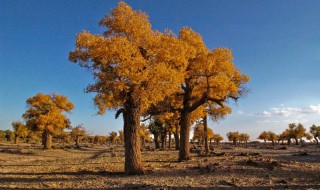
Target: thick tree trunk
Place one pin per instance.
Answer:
(297, 141)
(315, 137)
(234, 142)
(47, 140)
(301, 142)
(205, 130)
(43, 138)
(163, 140)
(16, 139)
(184, 151)
(143, 142)
(77, 141)
(169, 140)
(156, 141)
(177, 140)
(131, 117)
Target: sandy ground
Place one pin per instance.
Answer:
(101, 167)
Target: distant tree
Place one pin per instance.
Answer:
(283, 136)
(121, 136)
(299, 133)
(100, 139)
(217, 138)
(155, 127)
(171, 126)
(272, 137)
(315, 131)
(45, 114)
(91, 138)
(9, 135)
(291, 132)
(112, 136)
(233, 136)
(264, 136)
(309, 136)
(144, 134)
(244, 137)
(19, 130)
(77, 133)
(2, 135)
(33, 137)
(199, 133)
(64, 136)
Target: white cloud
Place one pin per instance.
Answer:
(265, 113)
(240, 112)
(268, 121)
(312, 109)
(292, 111)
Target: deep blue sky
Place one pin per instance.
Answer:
(276, 43)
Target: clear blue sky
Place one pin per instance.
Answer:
(276, 43)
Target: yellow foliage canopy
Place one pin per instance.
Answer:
(131, 59)
(45, 113)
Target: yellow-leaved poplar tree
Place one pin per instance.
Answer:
(134, 67)
(77, 133)
(19, 130)
(210, 79)
(45, 115)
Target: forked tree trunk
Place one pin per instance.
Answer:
(131, 117)
(184, 151)
(177, 140)
(47, 137)
(205, 130)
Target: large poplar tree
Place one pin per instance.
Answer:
(134, 67)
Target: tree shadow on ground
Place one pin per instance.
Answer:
(148, 187)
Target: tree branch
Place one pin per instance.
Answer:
(121, 110)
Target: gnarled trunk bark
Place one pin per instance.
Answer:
(205, 130)
(77, 141)
(184, 151)
(131, 117)
(156, 141)
(47, 140)
(16, 139)
(177, 139)
(163, 140)
(169, 143)
(234, 142)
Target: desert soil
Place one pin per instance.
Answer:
(26, 166)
